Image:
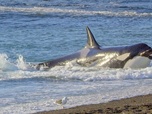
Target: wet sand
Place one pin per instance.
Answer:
(134, 105)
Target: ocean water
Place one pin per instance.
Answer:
(33, 31)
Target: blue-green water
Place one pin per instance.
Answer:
(33, 31)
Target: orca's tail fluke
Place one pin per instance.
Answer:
(91, 41)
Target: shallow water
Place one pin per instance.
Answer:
(33, 31)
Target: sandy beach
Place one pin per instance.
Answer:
(134, 105)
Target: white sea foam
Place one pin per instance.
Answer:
(96, 85)
(48, 104)
(98, 74)
(21, 69)
(44, 10)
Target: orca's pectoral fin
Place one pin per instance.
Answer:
(123, 57)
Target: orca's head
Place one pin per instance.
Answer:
(145, 50)
(141, 56)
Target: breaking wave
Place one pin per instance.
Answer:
(22, 69)
(46, 10)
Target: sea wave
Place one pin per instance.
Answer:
(46, 10)
(71, 71)
(100, 74)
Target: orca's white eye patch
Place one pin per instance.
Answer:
(123, 57)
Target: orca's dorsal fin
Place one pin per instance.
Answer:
(91, 42)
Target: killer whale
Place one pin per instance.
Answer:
(134, 56)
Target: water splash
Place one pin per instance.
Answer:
(21, 63)
(5, 64)
(71, 71)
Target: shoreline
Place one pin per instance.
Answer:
(134, 105)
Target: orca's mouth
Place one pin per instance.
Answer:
(147, 53)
